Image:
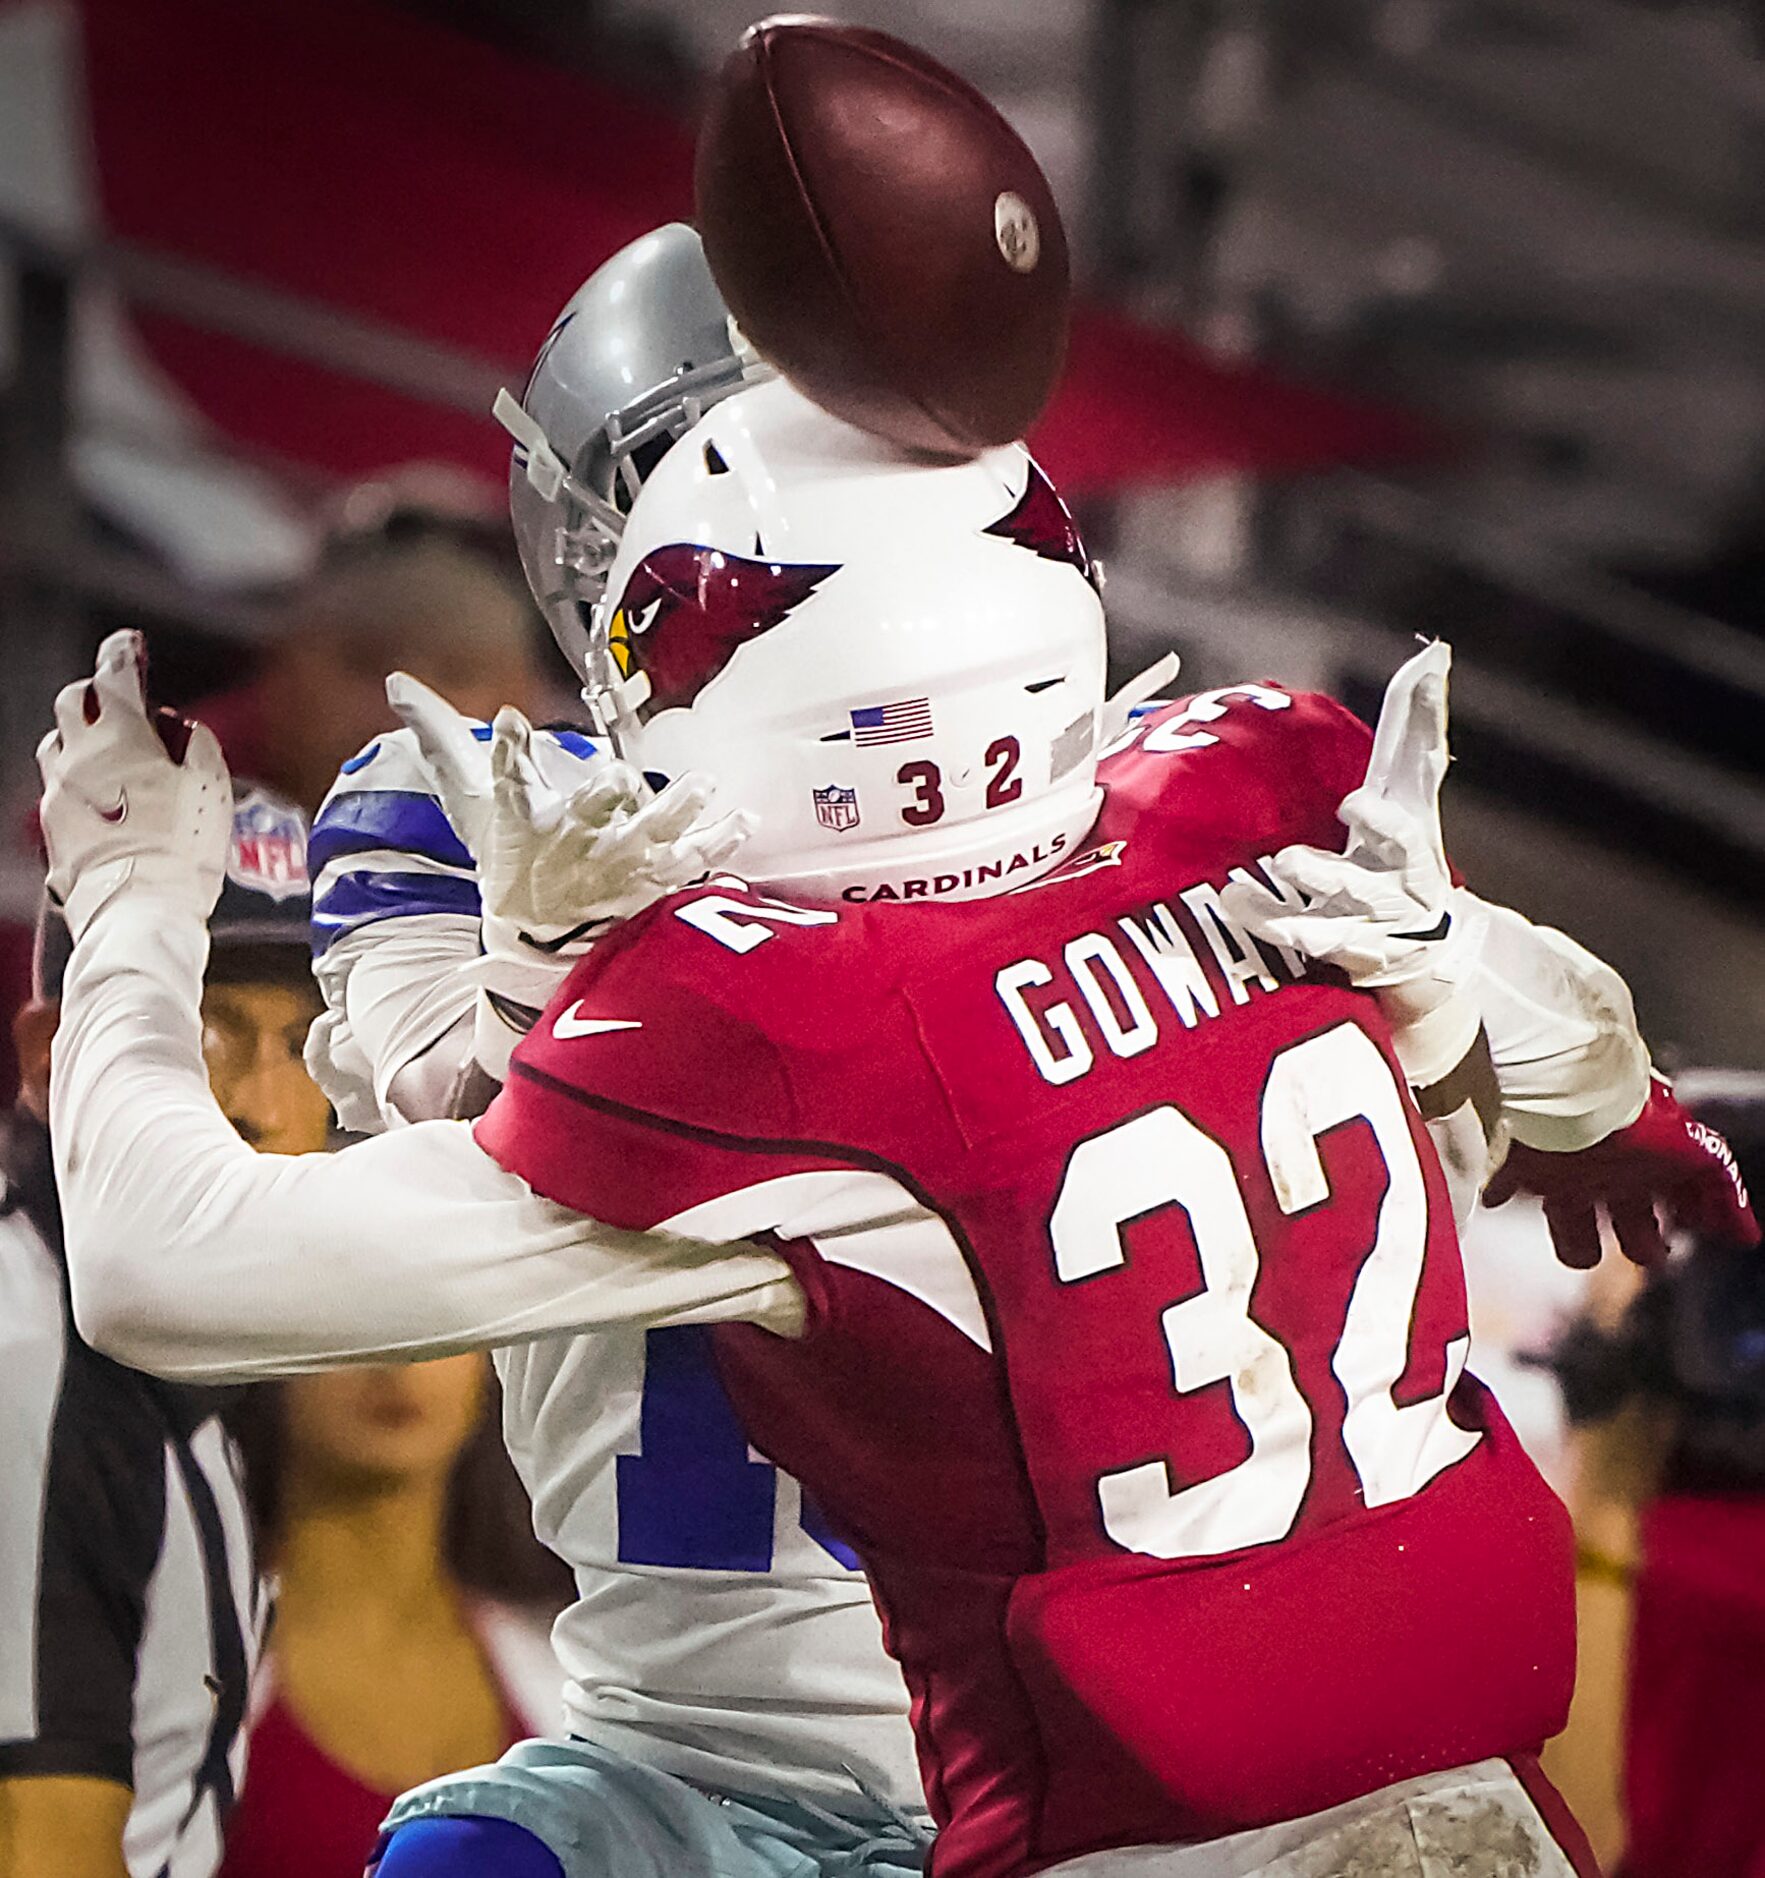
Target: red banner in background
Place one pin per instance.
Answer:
(1139, 405)
(393, 169)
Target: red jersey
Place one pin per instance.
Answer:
(303, 1814)
(1134, 1367)
(1694, 1732)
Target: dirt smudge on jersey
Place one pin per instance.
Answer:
(1469, 1832)
(1484, 1834)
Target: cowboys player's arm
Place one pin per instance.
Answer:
(192, 1256)
(420, 1012)
(396, 942)
(428, 982)
(1468, 984)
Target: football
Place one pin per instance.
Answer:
(882, 235)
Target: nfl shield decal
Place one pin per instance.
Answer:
(836, 808)
(268, 851)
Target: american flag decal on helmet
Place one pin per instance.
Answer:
(904, 721)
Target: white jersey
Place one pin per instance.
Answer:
(721, 1631)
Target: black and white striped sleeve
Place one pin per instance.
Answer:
(82, 1521)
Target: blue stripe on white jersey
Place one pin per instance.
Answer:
(382, 846)
(348, 901)
(400, 819)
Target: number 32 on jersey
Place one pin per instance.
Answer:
(1162, 1158)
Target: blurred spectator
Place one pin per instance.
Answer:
(419, 592)
(130, 1610)
(1671, 1522)
(1522, 1299)
(413, 1605)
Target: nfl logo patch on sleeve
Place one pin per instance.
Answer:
(836, 808)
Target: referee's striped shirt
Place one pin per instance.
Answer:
(130, 1613)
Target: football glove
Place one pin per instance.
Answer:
(133, 796)
(555, 870)
(1667, 1171)
(1382, 910)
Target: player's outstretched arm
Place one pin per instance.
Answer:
(1382, 910)
(412, 995)
(1458, 975)
(550, 842)
(192, 1256)
(1445, 965)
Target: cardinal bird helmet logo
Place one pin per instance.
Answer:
(1041, 522)
(685, 609)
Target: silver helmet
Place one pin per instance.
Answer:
(642, 350)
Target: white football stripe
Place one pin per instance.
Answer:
(387, 861)
(865, 1221)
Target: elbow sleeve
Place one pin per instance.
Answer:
(1570, 1061)
(114, 1309)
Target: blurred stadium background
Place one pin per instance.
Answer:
(1402, 315)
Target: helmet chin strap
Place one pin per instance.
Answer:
(545, 468)
(613, 708)
(1118, 709)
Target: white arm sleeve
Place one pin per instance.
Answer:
(408, 1009)
(1569, 1060)
(191, 1256)
(401, 991)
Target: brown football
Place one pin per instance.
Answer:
(882, 235)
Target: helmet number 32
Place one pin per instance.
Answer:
(926, 780)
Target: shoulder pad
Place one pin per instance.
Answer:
(1272, 764)
(1251, 716)
(660, 1017)
(395, 761)
(392, 761)
(710, 991)
(382, 848)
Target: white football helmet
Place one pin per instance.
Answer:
(897, 666)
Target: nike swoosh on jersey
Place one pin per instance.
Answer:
(567, 1024)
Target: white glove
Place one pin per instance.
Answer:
(119, 809)
(556, 870)
(1383, 911)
